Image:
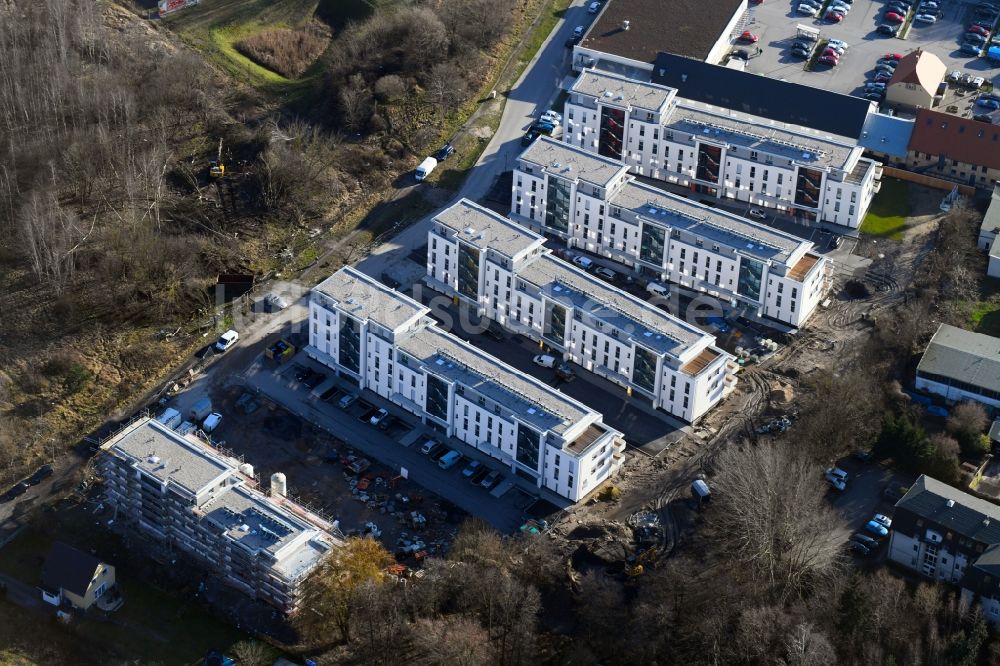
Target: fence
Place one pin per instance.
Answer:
(928, 181)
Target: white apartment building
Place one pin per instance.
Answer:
(386, 342)
(720, 152)
(592, 203)
(194, 499)
(506, 275)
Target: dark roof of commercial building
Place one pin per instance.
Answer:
(687, 27)
(783, 101)
(963, 139)
(969, 516)
(67, 568)
(965, 356)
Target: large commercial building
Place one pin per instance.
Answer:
(502, 270)
(723, 152)
(386, 342)
(961, 365)
(593, 203)
(190, 497)
(950, 536)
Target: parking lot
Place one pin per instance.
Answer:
(775, 24)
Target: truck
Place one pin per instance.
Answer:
(425, 168)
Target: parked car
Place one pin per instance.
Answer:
(494, 333)
(893, 56)
(802, 53)
(605, 273)
(491, 479)
(748, 37)
(544, 360)
(529, 136)
(876, 528)
(978, 82)
(347, 400)
(979, 30)
(479, 475)
(428, 446)
(859, 549)
(888, 62)
(886, 29)
(449, 460)
(578, 31)
(983, 117)
(883, 520)
(828, 60)
(226, 340)
(471, 468)
(551, 116)
(865, 540)
(835, 480)
(42, 473)
(586, 263)
(808, 10)
(988, 103)
(438, 452)
(838, 43)
(954, 76)
(446, 151)
(875, 95)
(14, 491)
(572, 41)
(314, 380)
(211, 422)
(893, 17)
(971, 49)
(833, 17)
(565, 372)
(274, 303)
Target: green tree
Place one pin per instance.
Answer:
(853, 608)
(965, 648)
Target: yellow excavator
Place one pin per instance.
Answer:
(216, 169)
(635, 568)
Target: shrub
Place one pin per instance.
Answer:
(287, 52)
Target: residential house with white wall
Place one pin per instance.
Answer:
(386, 342)
(721, 152)
(592, 203)
(950, 536)
(587, 321)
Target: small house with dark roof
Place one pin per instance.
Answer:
(71, 576)
(915, 82)
(948, 535)
(963, 150)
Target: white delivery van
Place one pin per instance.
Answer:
(545, 360)
(425, 168)
(657, 289)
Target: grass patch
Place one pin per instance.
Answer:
(538, 36)
(887, 216)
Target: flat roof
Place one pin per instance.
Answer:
(645, 324)
(782, 101)
(260, 524)
(169, 456)
(686, 27)
(794, 142)
(531, 401)
(970, 357)
(484, 229)
(622, 90)
(368, 299)
(743, 236)
(571, 162)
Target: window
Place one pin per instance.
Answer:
(753, 154)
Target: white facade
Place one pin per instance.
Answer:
(592, 324)
(595, 205)
(718, 152)
(386, 342)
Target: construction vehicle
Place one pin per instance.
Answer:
(635, 565)
(216, 169)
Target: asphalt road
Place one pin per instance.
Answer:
(532, 94)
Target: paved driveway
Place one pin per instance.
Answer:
(533, 93)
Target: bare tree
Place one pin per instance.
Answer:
(451, 640)
(807, 647)
(355, 103)
(772, 516)
(968, 422)
(252, 653)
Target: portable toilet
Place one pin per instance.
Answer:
(700, 491)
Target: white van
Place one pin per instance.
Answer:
(545, 360)
(657, 289)
(211, 422)
(425, 168)
(170, 417)
(449, 459)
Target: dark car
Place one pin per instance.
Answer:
(860, 549)
(314, 380)
(438, 451)
(865, 541)
(494, 334)
(983, 117)
(886, 29)
(971, 49)
(16, 491)
(573, 41)
(565, 372)
(447, 150)
(478, 476)
(42, 473)
(529, 137)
